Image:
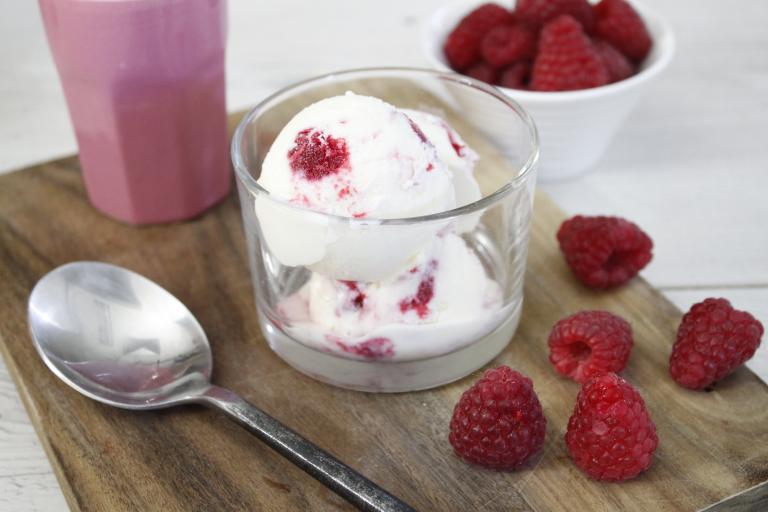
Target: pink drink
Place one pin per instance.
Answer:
(144, 82)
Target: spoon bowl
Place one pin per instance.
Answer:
(117, 337)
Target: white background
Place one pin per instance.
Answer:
(690, 165)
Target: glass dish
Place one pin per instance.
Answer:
(403, 356)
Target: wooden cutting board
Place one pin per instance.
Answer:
(712, 445)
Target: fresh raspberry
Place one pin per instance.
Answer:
(618, 66)
(712, 341)
(589, 343)
(604, 252)
(618, 23)
(610, 434)
(536, 13)
(498, 422)
(483, 72)
(516, 75)
(567, 59)
(506, 44)
(462, 46)
(462, 49)
(316, 155)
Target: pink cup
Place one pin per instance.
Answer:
(144, 82)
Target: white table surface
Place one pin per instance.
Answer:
(690, 165)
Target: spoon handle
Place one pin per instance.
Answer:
(337, 476)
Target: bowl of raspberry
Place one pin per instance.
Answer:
(578, 67)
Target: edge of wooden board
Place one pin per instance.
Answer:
(66, 488)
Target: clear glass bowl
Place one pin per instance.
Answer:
(409, 355)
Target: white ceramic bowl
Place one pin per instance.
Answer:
(575, 127)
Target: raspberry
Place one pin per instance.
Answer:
(610, 434)
(462, 46)
(619, 24)
(567, 59)
(516, 75)
(498, 422)
(536, 13)
(506, 44)
(461, 49)
(483, 72)
(618, 66)
(317, 155)
(604, 252)
(712, 341)
(589, 343)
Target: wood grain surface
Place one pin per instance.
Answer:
(712, 445)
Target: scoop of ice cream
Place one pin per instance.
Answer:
(355, 157)
(446, 286)
(457, 156)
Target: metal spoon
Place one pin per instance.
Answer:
(121, 339)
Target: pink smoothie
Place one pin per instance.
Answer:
(144, 82)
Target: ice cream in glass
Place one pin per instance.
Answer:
(380, 260)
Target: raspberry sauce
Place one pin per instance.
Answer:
(358, 297)
(374, 348)
(426, 290)
(416, 129)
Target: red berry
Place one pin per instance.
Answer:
(536, 13)
(506, 44)
(482, 71)
(516, 75)
(567, 59)
(498, 422)
(618, 66)
(712, 341)
(589, 343)
(604, 252)
(610, 434)
(317, 155)
(618, 23)
(462, 47)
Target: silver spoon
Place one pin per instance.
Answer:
(121, 339)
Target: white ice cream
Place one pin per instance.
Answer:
(453, 152)
(376, 291)
(356, 157)
(445, 300)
